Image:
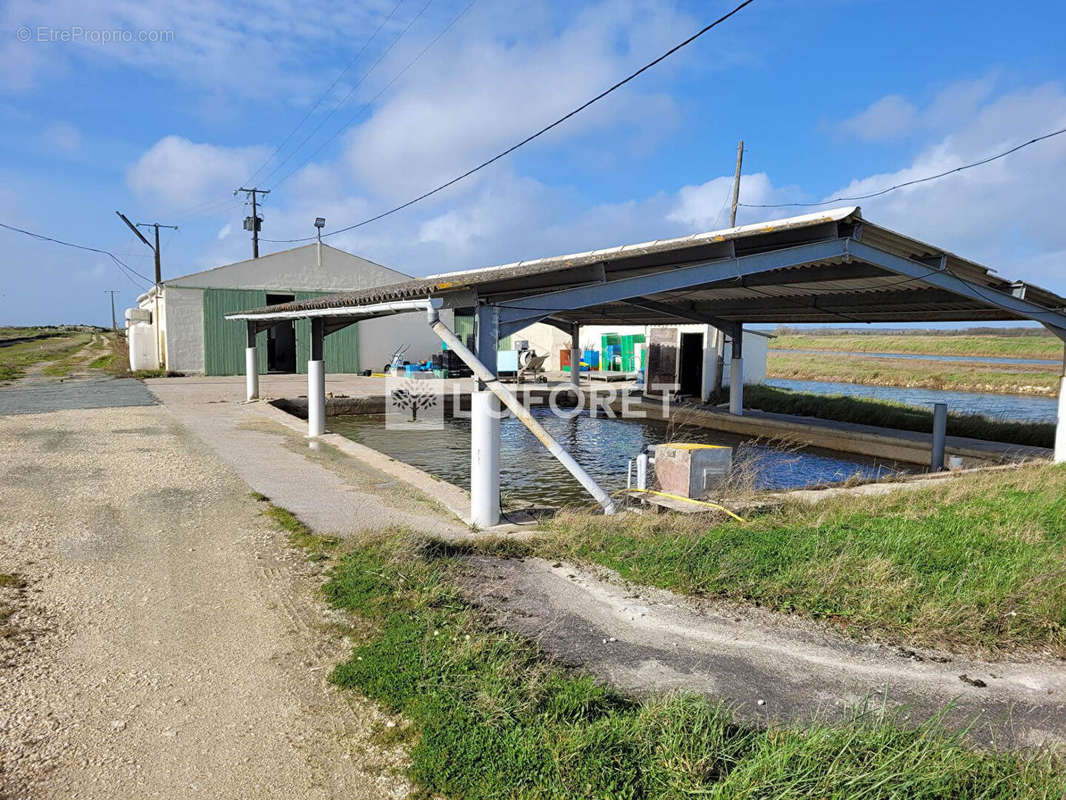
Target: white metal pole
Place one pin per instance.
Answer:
(736, 373)
(485, 426)
(316, 398)
(575, 354)
(251, 374)
(1060, 425)
(251, 366)
(316, 382)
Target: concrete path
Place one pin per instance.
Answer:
(327, 490)
(771, 669)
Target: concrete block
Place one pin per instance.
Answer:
(692, 470)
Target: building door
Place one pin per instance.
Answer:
(281, 340)
(691, 364)
(662, 360)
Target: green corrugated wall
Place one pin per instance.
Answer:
(225, 340)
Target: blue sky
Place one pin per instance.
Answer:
(830, 96)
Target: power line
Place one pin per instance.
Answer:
(122, 265)
(539, 133)
(329, 89)
(893, 188)
(351, 91)
(375, 98)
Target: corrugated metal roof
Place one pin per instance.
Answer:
(834, 290)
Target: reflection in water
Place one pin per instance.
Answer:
(602, 446)
(1022, 407)
(1040, 362)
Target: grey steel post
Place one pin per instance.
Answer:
(940, 432)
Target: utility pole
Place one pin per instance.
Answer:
(253, 222)
(159, 352)
(114, 322)
(736, 185)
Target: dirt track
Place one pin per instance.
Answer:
(167, 642)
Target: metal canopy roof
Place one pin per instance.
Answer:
(826, 267)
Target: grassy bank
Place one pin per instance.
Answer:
(484, 715)
(59, 349)
(953, 375)
(975, 564)
(1038, 345)
(902, 417)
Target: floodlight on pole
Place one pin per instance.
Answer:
(320, 223)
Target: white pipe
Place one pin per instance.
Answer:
(736, 386)
(251, 374)
(316, 398)
(1060, 427)
(492, 383)
(484, 459)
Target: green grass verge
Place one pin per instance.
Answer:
(1037, 345)
(103, 362)
(951, 375)
(975, 564)
(895, 415)
(58, 349)
(487, 716)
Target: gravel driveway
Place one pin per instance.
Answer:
(162, 640)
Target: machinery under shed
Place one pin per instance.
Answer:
(827, 267)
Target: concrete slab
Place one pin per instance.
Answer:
(43, 397)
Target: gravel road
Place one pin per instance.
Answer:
(161, 640)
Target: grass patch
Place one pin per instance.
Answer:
(887, 414)
(103, 362)
(14, 359)
(974, 564)
(300, 535)
(11, 581)
(489, 717)
(953, 375)
(1038, 344)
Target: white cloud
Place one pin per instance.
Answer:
(63, 136)
(493, 89)
(183, 174)
(706, 206)
(1006, 214)
(889, 118)
(226, 229)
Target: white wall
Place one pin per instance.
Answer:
(183, 328)
(380, 338)
(544, 339)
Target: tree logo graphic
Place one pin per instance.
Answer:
(414, 403)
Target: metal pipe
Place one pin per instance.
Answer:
(493, 384)
(1060, 425)
(940, 432)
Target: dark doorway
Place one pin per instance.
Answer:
(662, 361)
(691, 378)
(281, 340)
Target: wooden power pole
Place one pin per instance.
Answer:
(253, 222)
(114, 322)
(736, 185)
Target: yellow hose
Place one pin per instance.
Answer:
(737, 517)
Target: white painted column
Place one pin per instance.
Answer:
(710, 354)
(251, 367)
(316, 382)
(1060, 425)
(575, 354)
(485, 428)
(736, 373)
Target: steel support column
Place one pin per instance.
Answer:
(251, 366)
(316, 381)
(736, 373)
(485, 427)
(1060, 425)
(575, 354)
(710, 354)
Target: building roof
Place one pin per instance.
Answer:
(826, 267)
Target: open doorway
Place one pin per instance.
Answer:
(281, 339)
(691, 357)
